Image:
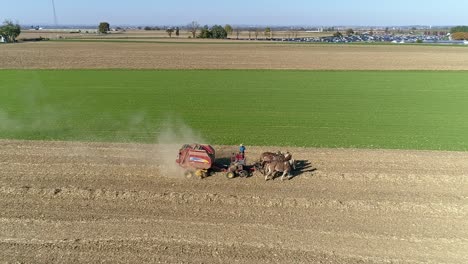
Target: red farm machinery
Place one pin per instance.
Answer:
(199, 160)
(196, 159)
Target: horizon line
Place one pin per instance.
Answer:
(239, 25)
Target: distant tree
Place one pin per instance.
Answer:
(193, 28)
(459, 29)
(170, 31)
(228, 29)
(177, 31)
(148, 28)
(104, 27)
(205, 32)
(257, 31)
(218, 32)
(349, 32)
(337, 34)
(267, 32)
(10, 31)
(387, 30)
(238, 32)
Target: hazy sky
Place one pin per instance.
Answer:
(252, 12)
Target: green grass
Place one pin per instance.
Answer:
(365, 109)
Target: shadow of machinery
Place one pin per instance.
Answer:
(224, 161)
(225, 164)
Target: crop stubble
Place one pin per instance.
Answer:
(96, 55)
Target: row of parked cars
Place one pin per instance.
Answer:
(375, 38)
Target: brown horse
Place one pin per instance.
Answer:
(266, 157)
(277, 166)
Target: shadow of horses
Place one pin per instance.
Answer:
(302, 166)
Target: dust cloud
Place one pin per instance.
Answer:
(37, 119)
(172, 135)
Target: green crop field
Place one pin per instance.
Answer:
(365, 109)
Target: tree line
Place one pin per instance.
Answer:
(9, 31)
(459, 29)
(205, 32)
(220, 32)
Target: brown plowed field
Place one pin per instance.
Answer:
(102, 202)
(96, 55)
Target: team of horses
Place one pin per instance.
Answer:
(271, 163)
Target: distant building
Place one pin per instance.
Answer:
(2, 39)
(315, 30)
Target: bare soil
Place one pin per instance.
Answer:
(195, 55)
(112, 203)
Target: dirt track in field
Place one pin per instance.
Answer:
(96, 55)
(102, 202)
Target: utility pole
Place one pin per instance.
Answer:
(55, 14)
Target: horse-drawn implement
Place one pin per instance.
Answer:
(199, 160)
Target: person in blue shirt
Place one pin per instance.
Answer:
(242, 149)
